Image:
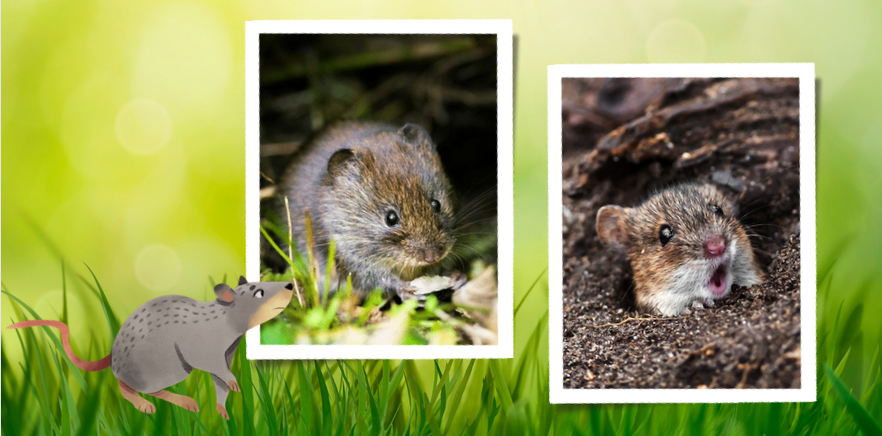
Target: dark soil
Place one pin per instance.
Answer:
(624, 138)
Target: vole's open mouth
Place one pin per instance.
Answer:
(717, 283)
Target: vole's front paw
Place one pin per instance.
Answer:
(701, 303)
(440, 286)
(234, 385)
(410, 294)
(458, 280)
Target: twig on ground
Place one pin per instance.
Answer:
(626, 320)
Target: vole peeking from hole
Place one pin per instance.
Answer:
(686, 247)
(166, 338)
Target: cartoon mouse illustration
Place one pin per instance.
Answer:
(167, 337)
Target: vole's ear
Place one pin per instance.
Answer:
(340, 160)
(416, 135)
(612, 226)
(242, 281)
(224, 293)
(716, 196)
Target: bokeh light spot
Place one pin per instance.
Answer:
(143, 126)
(157, 267)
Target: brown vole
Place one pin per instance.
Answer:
(167, 337)
(380, 193)
(686, 247)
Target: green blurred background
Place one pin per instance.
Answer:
(123, 137)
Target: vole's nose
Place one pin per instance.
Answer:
(714, 246)
(428, 256)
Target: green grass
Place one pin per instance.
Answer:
(438, 397)
(342, 318)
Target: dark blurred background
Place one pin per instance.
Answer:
(445, 83)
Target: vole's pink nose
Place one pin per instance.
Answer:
(714, 246)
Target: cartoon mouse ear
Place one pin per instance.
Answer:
(242, 281)
(416, 135)
(224, 293)
(612, 226)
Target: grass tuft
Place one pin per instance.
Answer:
(441, 397)
(343, 318)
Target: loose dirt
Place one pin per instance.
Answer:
(624, 138)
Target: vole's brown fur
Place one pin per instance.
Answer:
(349, 179)
(670, 277)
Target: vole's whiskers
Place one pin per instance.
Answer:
(625, 294)
(479, 205)
(456, 259)
(475, 233)
(473, 250)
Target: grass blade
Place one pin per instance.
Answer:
(64, 317)
(325, 397)
(529, 290)
(499, 384)
(863, 419)
(112, 320)
(306, 398)
(58, 345)
(266, 400)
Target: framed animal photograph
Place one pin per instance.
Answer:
(682, 233)
(379, 182)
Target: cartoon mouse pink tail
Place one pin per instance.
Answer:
(85, 365)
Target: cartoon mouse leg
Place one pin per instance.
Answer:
(227, 378)
(222, 389)
(180, 400)
(136, 400)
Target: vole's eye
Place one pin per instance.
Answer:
(258, 293)
(392, 219)
(665, 233)
(436, 205)
(717, 210)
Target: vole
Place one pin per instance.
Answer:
(167, 337)
(381, 194)
(686, 247)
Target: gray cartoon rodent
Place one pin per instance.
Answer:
(167, 337)
(686, 247)
(380, 193)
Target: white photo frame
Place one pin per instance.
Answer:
(505, 212)
(807, 391)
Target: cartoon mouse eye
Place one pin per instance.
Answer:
(436, 205)
(665, 233)
(392, 219)
(258, 293)
(717, 210)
